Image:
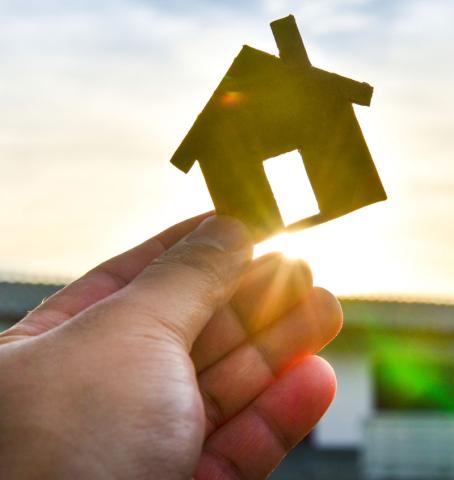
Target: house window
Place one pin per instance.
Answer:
(412, 382)
(291, 187)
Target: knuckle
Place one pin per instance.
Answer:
(204, 262)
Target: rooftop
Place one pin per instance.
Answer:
(398, 315)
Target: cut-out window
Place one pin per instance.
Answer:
(291, 187)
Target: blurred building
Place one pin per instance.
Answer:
(395, 401)
(17, 298)
(393, 417)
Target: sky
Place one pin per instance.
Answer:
(96, 95)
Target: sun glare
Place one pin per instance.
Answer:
(291, 187)
(342, 254)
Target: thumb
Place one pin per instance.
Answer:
(180, 291)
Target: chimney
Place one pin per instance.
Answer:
(290, 43)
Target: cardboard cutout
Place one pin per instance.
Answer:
(267, 106)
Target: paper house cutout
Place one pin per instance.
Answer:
(267, 106)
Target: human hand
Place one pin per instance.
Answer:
(146, 367)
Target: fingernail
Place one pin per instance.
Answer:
(223, 233)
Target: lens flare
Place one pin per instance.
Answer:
(232, 99)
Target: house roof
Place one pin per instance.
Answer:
(251, 71)
(363, 314)
(17, 298)
(256, 72)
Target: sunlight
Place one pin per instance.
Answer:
(291, 187)
(342, 254)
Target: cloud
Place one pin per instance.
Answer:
(323, 16)
(96, 94)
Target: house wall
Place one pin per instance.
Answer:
(343, 425)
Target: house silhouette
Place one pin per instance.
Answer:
(267, 106)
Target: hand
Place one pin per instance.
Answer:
(148, 368)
